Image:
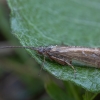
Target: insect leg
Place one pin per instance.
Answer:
(42, 66)
(71, 67)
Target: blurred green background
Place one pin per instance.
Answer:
(19, 79)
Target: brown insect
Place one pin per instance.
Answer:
(65, 54)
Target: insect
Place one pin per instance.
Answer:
(64, 55)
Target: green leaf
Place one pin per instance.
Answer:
(56, 92)
(89, 96)
(50, 22)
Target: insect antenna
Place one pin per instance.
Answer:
(25, 47)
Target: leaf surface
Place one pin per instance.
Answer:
(53, 22)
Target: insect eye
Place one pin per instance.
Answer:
(41, 50)
(44, 50)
